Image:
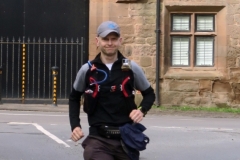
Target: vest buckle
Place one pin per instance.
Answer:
(113, 88)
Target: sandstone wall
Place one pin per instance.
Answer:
(233, 54)
(137, 21)
(218, 86)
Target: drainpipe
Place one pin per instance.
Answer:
(157, 51)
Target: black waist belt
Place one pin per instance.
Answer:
(109, 132)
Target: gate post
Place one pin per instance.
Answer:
(0, 84)
(54, 85)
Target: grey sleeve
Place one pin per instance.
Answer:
(79, 83)
(140, 81)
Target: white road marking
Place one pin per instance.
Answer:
(193, 128)
(189, 120)
(20, 114)
(168, 127)
(46, 115)
(40, 128)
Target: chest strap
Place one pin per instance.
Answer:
(98, 88)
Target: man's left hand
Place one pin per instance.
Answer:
(136, 115)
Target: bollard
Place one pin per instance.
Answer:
(54, 85)
(0, 85)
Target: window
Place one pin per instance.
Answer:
(192, 39)
(180, 22)
(204, 51)
(180, 51)
(204, 23)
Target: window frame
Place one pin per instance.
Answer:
(195, 51)
(192, 34)
(189, 25)
(189, 50)
(207, 15)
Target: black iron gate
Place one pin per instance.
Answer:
(35, 36)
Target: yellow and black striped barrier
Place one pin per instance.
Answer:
(54, 85)
(23, 71)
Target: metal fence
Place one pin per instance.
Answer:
(26, 66)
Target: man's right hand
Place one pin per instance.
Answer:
(77, 134)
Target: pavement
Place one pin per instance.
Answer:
(154, 111)
(43, 107)
(34, 107)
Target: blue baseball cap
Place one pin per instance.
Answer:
(108, 27)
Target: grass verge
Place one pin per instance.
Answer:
(206, 109)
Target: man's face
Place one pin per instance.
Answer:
(109, 45)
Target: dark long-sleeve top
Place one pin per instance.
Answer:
(140, 83)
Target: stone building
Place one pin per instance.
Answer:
(199, 58)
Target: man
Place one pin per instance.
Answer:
(108, 83)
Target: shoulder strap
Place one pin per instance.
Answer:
(126, 64)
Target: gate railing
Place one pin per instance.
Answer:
(26, 66)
